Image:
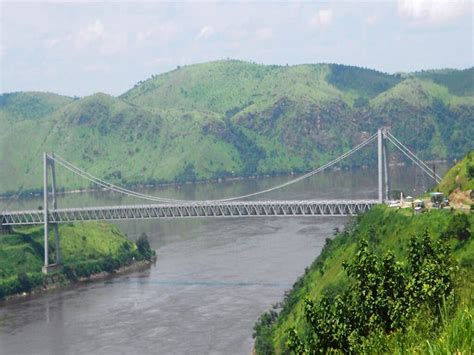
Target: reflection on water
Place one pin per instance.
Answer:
(212, 279)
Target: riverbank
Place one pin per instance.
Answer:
(330, 279)
(89, 252)
(59, 281)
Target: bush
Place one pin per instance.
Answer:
(263, 333)
(73, 271)
(459, 227)
(144, 248)
(382, 298)
(70, 273)
(109, 264)
(24, 283)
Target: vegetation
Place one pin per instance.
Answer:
(143, 247)
(459, 82)
(86, 249)
(228, 118)
(390, 283)
(461, 176)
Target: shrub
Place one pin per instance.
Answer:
(382, 298)
(24, 283)
(144, 248)
(109, 264)
(459, 227)
(263, 333)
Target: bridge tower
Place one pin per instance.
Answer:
(48, 162)
(382, 156)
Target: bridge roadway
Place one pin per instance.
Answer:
(192, 209)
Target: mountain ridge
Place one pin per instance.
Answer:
(232, 118)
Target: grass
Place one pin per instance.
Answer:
(86, 249)
(22, 251)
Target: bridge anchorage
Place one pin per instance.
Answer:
(164, 208)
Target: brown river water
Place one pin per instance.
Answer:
(211, 281)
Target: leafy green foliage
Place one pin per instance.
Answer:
(143, 246)
(381, 299)
(262, 332)
(24, 282)
(459, 227)
(392, 321)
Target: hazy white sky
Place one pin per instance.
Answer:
(82, 47)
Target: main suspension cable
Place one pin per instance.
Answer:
(428, 171)
(78, 171)
(311, 173)
(414, 156)
(71, 167)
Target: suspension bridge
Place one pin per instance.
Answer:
(238, 206)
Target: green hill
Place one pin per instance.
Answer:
(386, 283)
(227, 118)
(458, 82)
(31, 105)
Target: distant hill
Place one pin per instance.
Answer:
(231, 117)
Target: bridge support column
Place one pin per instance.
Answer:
(380, 164)
(50, 267)
(55, 206)
(45, 211)
(385, 166)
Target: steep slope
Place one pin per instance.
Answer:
(117, 141)
(226, 87)
(459, 176)
(385, 230)
(231, 117)
(432, 121)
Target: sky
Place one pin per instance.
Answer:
(77, 48)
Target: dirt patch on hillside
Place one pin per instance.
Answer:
(459, 198)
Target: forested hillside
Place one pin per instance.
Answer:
(233, 118)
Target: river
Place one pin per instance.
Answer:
(211, 281)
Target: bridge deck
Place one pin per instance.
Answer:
(187, 210)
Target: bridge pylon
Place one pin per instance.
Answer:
(382, 157)
(48, 162)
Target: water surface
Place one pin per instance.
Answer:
(211, 281)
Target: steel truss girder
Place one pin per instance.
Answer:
(188, 210)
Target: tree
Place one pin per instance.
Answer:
(382, 298)
(459, 227)
(24, 282)
(144, 247)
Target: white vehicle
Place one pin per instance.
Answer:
(394, 204)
